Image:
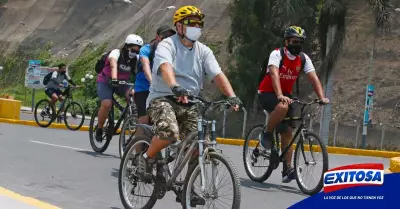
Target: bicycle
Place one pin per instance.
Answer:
(164, 178)
(251, 157)
(110, 128)
(49, 111)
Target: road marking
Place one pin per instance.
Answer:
(55, 145)
(27, 200)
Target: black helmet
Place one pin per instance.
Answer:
(295, 31)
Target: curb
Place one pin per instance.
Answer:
(331, 150)
(394, 162)
(395, 165)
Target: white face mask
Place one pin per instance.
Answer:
(132, 55)
(193, 33)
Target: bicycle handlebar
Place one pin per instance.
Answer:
(125, 83)
(315, 101)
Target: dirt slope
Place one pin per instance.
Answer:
(351, 72)
(71, 24)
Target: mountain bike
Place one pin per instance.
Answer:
(308, 141)
(111, 128)
(198, 151)
(73, 110)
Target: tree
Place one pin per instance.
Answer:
(257, 28)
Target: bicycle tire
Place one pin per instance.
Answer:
(153, 199)
(269, 170)
(125, 126)
(37, 119)
(324, 166)
(92, 132)
(65, 116)
(195, 170)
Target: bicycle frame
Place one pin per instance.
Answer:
(300, 130)
(190, 143)
(123, 111)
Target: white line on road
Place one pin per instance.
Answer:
(55, 145)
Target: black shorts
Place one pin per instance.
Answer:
(269, 101)
(50, 91)
(140, 101)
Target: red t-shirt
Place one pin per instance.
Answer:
(288, 74)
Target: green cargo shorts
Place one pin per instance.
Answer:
(172, 121)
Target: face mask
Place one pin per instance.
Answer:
(132, 53)
(295, 49)
(193, 33)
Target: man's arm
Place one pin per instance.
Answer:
(168, 74)
(313, 78)
(276, 81)
(224, 85)
(146, 68)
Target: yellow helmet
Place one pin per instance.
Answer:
(187, 11)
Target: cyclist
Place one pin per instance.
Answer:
(143, 77)
(59, 79)
(275, 91)
(180, 65)
(120, 65)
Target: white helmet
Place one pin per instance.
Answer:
(134, 39)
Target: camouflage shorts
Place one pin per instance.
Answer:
(170, 120)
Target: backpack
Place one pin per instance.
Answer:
(265, 65)
(47, 78)
(100, 64)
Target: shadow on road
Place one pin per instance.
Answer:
(269, 187)
(115, 208)
(115, 172)
(99, 155)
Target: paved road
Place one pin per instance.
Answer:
(67, 173)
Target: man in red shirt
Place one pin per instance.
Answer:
(275, 91)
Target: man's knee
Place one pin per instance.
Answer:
(280, 107)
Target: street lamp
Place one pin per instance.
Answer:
(145, 26)
(86, 81)
(140, 8)
(149, 26)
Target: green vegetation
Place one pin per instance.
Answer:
(257, 28)
(13, 77)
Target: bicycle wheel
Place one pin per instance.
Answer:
(127, 172)
(96, 145)
(256, 160)
(213, 185)
(43, 110)
(310, 143)
(76, 113)
(127, 133)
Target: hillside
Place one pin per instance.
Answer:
(72, 24)
(351, 72)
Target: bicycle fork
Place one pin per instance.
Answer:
(201, 133)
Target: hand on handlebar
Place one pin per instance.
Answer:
(181, 93)
(235, 103)
(325, 101)
(285, 99)
(114, 82)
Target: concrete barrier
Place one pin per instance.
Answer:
(10, 108)
(395, 165)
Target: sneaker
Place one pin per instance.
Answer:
(288, 174)
(266, 140)
(144, 168)
(99, 135)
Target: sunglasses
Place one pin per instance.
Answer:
(296, 42)
(193, 23)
